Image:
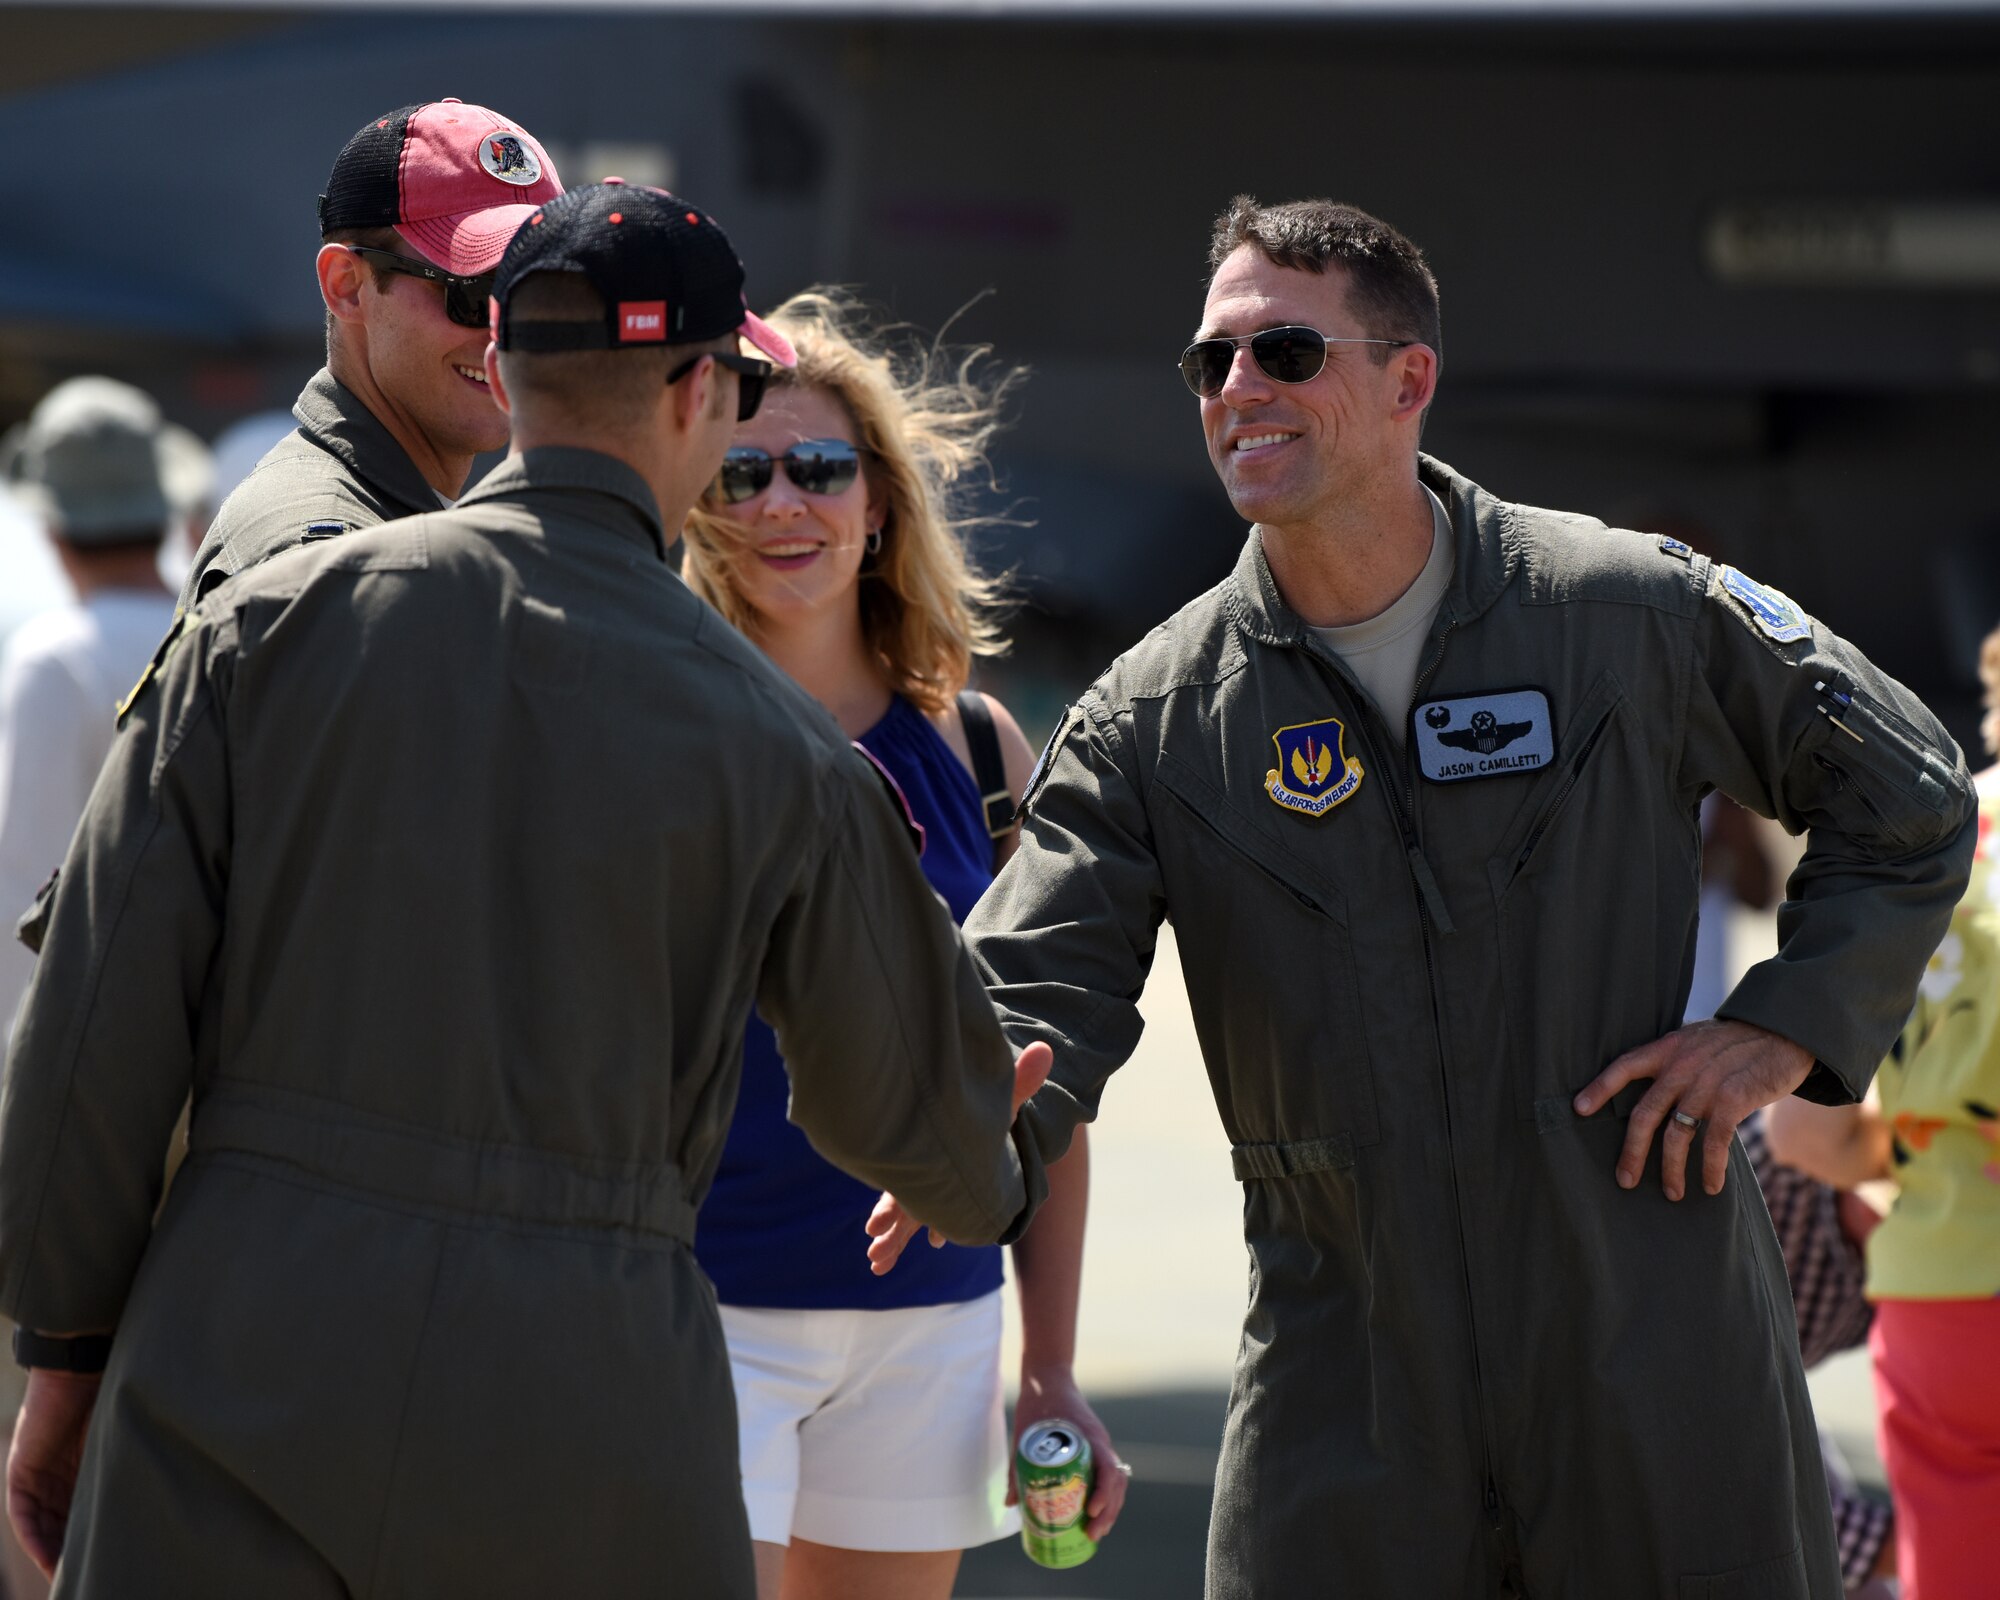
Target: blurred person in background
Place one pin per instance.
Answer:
(1823, 1235)
(874, 1443)
(1934, 1263)
(1735, 871)
(1416, 785)
(110, 480)
(420, 204)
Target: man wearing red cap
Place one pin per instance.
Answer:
(442, 863)
(419, 207)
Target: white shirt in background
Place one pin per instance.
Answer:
(62, 674)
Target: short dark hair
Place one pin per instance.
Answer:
(1390, 286)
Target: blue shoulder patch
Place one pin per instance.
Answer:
(1775, 616)
(1678, 548)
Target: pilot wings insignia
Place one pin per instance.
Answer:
(1486, 734)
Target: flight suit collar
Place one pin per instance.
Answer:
(333, 417)
(564, 467)
(1487, 555)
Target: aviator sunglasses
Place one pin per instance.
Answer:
(1284, 355)
(818, 466)
(464, 298)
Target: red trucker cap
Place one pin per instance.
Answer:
(454, 180)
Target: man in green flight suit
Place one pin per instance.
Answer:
(442, 863)
(1417, 786)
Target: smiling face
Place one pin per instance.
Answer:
(1287, 451)
(428, 367)
(802, 552)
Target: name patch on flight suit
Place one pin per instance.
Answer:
(1314, 771)
(1483, 735)
(1775, 616)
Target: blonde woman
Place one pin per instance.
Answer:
(874, 1448)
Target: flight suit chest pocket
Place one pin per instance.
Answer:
(1269, 962)
(1537, 836)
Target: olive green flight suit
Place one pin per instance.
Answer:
(340, 471)
(1471, 1364)
(442, 863)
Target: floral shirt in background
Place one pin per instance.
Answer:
(1940, 1092)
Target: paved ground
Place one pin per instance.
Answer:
(1164, 1288)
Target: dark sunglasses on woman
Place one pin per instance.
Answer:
(1284, 355)
(464, 298)
(818, 466)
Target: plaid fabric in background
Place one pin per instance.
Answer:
(1827, 1273)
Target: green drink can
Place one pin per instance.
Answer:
(1054, 1469)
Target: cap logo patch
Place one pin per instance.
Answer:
(509, 159)
(642, 322)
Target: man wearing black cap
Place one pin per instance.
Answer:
(416, 212)
(442, 863)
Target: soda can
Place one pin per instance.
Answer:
(1054, 1469)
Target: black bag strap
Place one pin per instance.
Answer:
(989, 770)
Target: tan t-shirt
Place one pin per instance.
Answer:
(1385, 651)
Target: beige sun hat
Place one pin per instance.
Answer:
(99, 462)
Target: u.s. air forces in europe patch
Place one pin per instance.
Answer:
(1483, 735)
(1314, 771)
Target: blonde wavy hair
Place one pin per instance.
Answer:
(923, 417)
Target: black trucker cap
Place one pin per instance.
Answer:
(667, 274)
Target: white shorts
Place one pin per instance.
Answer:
(872, 1430)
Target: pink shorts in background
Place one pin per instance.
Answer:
(1937, 1403)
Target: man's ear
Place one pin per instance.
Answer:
(694, 395)
(342, 274)
(1416, 370)
(494, 381)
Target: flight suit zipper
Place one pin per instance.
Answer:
(1432, 912)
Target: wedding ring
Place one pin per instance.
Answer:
(1686, 1121)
